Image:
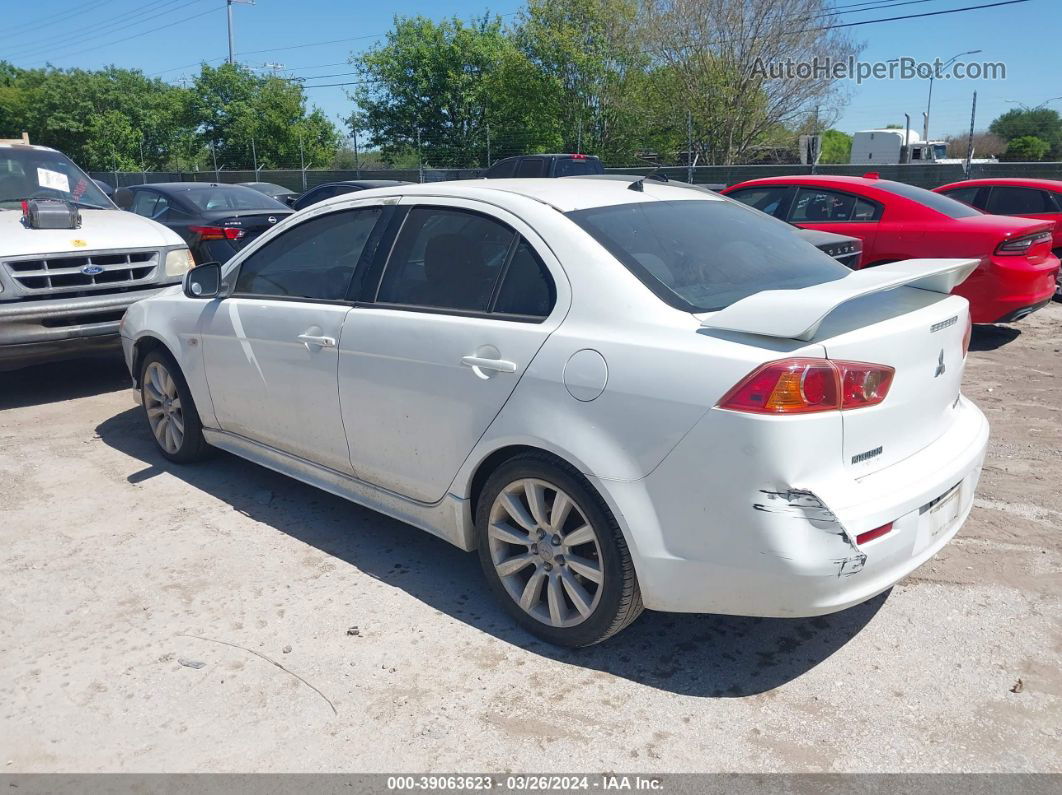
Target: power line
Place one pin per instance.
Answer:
(145, 32)
(45, 21)
(95, 31)
(918, 16)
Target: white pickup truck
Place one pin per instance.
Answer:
(63, 291)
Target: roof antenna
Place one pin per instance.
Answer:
(657, 175)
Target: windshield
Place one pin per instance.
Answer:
(27, 173)
(231, 197)
(703, 255)
(934, 201)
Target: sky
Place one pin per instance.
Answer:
(313, 39)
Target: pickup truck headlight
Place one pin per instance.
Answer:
(178, 262)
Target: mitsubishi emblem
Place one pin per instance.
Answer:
(941, 369)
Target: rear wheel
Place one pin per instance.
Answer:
(1058, 277)
(169, 409)
(553, 553)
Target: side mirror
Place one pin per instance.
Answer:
(203, 281)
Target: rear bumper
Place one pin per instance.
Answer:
(726, 538)
(1009, 289)
(35, 331)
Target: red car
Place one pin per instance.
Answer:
(897, 221)
(1030, 198)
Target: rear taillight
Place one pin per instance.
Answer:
(802, 386)
(217, 232)
(966, 335)
(1021, 245)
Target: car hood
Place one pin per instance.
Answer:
(100, 230)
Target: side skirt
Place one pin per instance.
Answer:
(444, 519)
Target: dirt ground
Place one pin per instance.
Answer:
(160, 618)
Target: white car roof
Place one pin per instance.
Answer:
(566, 195)
(20, 145)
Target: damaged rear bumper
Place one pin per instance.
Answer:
(722, 535)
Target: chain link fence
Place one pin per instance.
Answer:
(923, 175)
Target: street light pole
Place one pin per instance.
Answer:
(232, 45)
(929, 101)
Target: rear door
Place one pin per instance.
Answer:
(838, 212)
(271, 348)
(466, 298)
(1029, 203)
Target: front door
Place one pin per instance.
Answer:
(272, 347)
(838, 212)
(464, 303)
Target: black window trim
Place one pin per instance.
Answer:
(361, 266)
(879, 208)
(376, 272)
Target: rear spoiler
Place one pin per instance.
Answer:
(796, 314)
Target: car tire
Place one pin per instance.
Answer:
(169, 409)
(1058, 277)
(553, 553)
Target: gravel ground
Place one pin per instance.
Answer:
(224, 618)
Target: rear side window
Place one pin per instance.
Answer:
(574, 167)
(703, 255)
(450, 259)
(935, 201)
(502, 169)
(314, 259)
(1004, 200)
(531, 167)
(446, 259)
(767, 200)
(231, 197)
(527, 288)
(964, 195)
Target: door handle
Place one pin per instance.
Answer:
(323, 342)
(499, 365)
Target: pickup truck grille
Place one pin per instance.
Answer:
(95, 272)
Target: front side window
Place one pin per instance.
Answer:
(447, 259)
(1006, 200)
(703, 255)
(314, 259)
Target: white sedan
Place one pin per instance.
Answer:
(619, 394)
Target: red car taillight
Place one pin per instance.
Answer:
(217, 232)
(1021, 245)
(802, 386)
(967, 335)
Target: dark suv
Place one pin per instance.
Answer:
(545, 166)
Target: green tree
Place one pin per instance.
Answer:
(1027, 147)
(451, 91)
(836, 147)
(245, 117)
(1042, 123)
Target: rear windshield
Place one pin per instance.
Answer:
(703, 255)
(935, 201)
(231, 197)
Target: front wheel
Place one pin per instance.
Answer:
(169, 409)
(553, 553)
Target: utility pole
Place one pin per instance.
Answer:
(689, 146)
(254, 157)
(420, 158)
(969, 145)
(488, 144)
(357, 161)
(143, 168)
(232, 44)
(214, 157)
(579, 137)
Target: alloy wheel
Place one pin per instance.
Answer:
(163, 405)
(545, 552)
